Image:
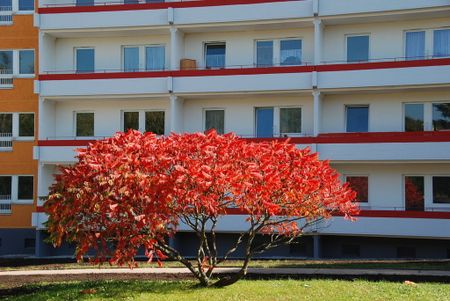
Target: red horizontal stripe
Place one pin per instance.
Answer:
(374, 137)
(246, 71)
(363, 213)
(149, 6)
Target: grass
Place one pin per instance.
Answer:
(260, 290)
(332, 264)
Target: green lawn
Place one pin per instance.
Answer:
(350, 264)
(259, 290)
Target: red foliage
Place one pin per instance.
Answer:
(131, 190)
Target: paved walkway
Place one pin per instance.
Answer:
(251, 271)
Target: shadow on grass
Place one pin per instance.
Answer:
(102, 289)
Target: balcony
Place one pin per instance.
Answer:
(6, 15)
(5, 204)
(6, 142)
(387, 73)
(116, 14)
(6, 79)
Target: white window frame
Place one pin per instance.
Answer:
(425, 189)
(16, 126)
(206, 43)
(16, 63)
(225, 130)
(15, 189)
(425, 54)
(143, 56)
(429, 204)
(75, 49)
(142, 118)
(22, 12)
(358, 35)
(404, 113)
(357, 105)
(276, 49)
(431, 112)
(368, 204)
(75, 126)
(438, 205)
(429, 40)
(278, 127)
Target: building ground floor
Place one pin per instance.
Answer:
(308, 246)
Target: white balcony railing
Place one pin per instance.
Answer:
(5, 204)
(6, 76)
(5, 15)
(5, 143)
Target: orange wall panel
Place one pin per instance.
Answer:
(20, 217)
(21, 98)
(22, 34)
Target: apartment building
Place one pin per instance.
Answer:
(366, 84)
(18, 116)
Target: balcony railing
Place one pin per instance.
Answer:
(5, 142)
(386, 59)
(5, 204)
(6, 78)
(112, 2)
(5, 15)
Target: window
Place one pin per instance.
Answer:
(406, 252)
(415, 45)
(85, 60)
(26, 61)
(351, 250)
(26, 125)
(131, 59)
(441, 43)
(215, 55)
(358, 48)
(131, 1)
(7, 4)
(26, 5)
(360, 184)
(6, 124)
(85, 124)
(85, 2)
(290, 52)
(441, 116)
(154, 122)
(264, 122)
(155, 57)
(357, 119)
(414, 193)
(441, 190)
(414, 117)
(130, 121)
(5, 187)
(25, 188)
(290, 121)
(215, 119)
(264, 53)
(6, 62)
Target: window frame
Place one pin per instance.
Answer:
(75, 113)
(76, 61)
(215, 109)
(440, 205)
(143, 56)
(276, 59)
(432, 103)
(141, 118)
(25, 12)
(212, 43)
(425, 51)
(432, 42)
(15, 189)
(404, 114)
(361, 204)
(369, 55)
(280, 134)
(357, 106)
(425, 189)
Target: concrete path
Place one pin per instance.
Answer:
(252, 271)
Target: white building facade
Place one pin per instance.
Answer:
(364, 83)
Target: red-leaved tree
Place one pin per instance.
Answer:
(133, 191)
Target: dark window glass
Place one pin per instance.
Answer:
(441, 190)
(130, 121)
(406, 252)
(358, 49)
(264, 53)
(26, 125)
(6, 124)
(131, 2)
(360, 184)
(26, 62)
(414, 193)
(6, 62)
(26, 5)
(5, 187)
(85, 2)
(414, 117)
(441, 116)
(85, 60)
(29, 243)
(85, 124)
(290, 120)
(357, 119)
(154, 122)
(215, 55)
(215, 119)
(350, 251)
(264, 122)
(290, 52)
(154, 1)
(25, 187)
